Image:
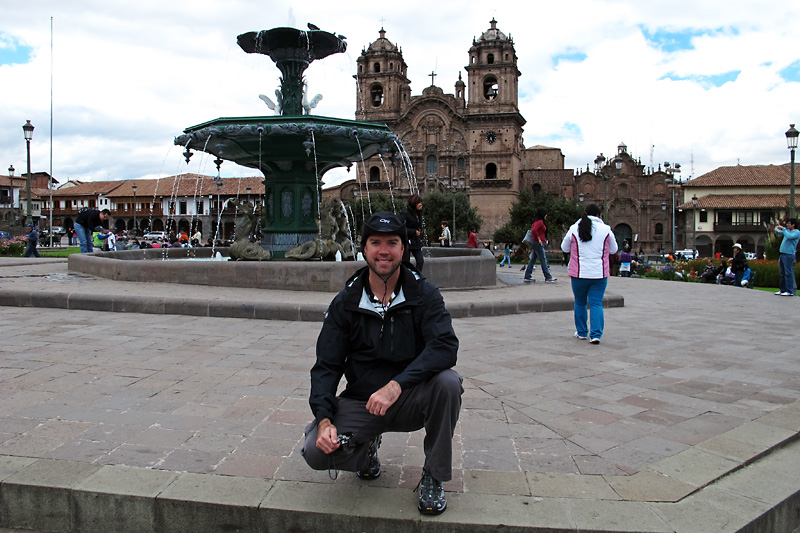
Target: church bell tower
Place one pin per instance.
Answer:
(383, 88)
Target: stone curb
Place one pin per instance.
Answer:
(307, 312)
(47, 494)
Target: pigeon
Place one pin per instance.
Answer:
(312, 27)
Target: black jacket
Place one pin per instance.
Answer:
(413, 341)
(89, 219)
(413, 220)
(739, 262)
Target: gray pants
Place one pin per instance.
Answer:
(434, 405)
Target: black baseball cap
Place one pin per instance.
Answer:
(384, 223)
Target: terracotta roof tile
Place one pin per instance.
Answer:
(180, 185)
(740, 201)
(737, 176)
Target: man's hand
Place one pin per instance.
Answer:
(327, 440)
(383, 398)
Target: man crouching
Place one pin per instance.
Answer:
(389, 334)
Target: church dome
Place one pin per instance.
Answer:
(382, 43)
(493, 34)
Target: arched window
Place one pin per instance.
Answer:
(659, 229)
(461, 163)
(490, 59)
(490, 88)
(537, 188)
(491, 171)
(391, 66)
(376, 94)
(374, 174)
(376, 67)
(431, 165)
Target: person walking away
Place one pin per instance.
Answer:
(788, 250)
(444, 238)
(85, 223)
(413, 219)
(538, 242)
(506, 255)
(33, 241)
(589, 242)
(472, 239)
(389, 334)
(738, 264)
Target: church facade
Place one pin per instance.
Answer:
(471, 141)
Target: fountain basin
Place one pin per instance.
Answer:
(447, 268)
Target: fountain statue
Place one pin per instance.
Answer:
(293, 150)
(243, 248)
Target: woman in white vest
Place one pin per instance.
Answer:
(589, 242)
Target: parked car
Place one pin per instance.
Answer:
(59, 231)
(751, 256)
(5, 235)
(155, 235)
(688, 253)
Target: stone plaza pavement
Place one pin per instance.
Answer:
(683, 419)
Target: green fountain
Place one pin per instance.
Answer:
(292, 150)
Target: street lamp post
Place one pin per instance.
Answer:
(663, 233)
(135, 226)
(791, 141)
(599, 162)
(27, 129)
(672, 170)
(11, 186)
(694, 226)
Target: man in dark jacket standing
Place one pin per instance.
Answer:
(389, 334)
(33, 240)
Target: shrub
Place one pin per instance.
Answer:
(13, 247)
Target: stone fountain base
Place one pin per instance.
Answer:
(448, 268)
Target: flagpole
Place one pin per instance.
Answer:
(51, 135)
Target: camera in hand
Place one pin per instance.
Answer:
(345, 441)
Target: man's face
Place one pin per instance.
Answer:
(790, 226)
(103, 216)
(384, 253)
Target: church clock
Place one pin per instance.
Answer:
(491, 137)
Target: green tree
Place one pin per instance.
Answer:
(561, 213)
(439, 206)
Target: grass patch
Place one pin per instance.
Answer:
(60, 252)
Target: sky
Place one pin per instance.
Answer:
(704, 83)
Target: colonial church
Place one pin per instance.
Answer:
(470, 140)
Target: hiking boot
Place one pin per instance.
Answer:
(373, 470)
(431, 495)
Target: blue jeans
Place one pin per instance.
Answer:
(537, 251)
(31, 250)
(786, 272)
(591, 292)
(85, 238)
